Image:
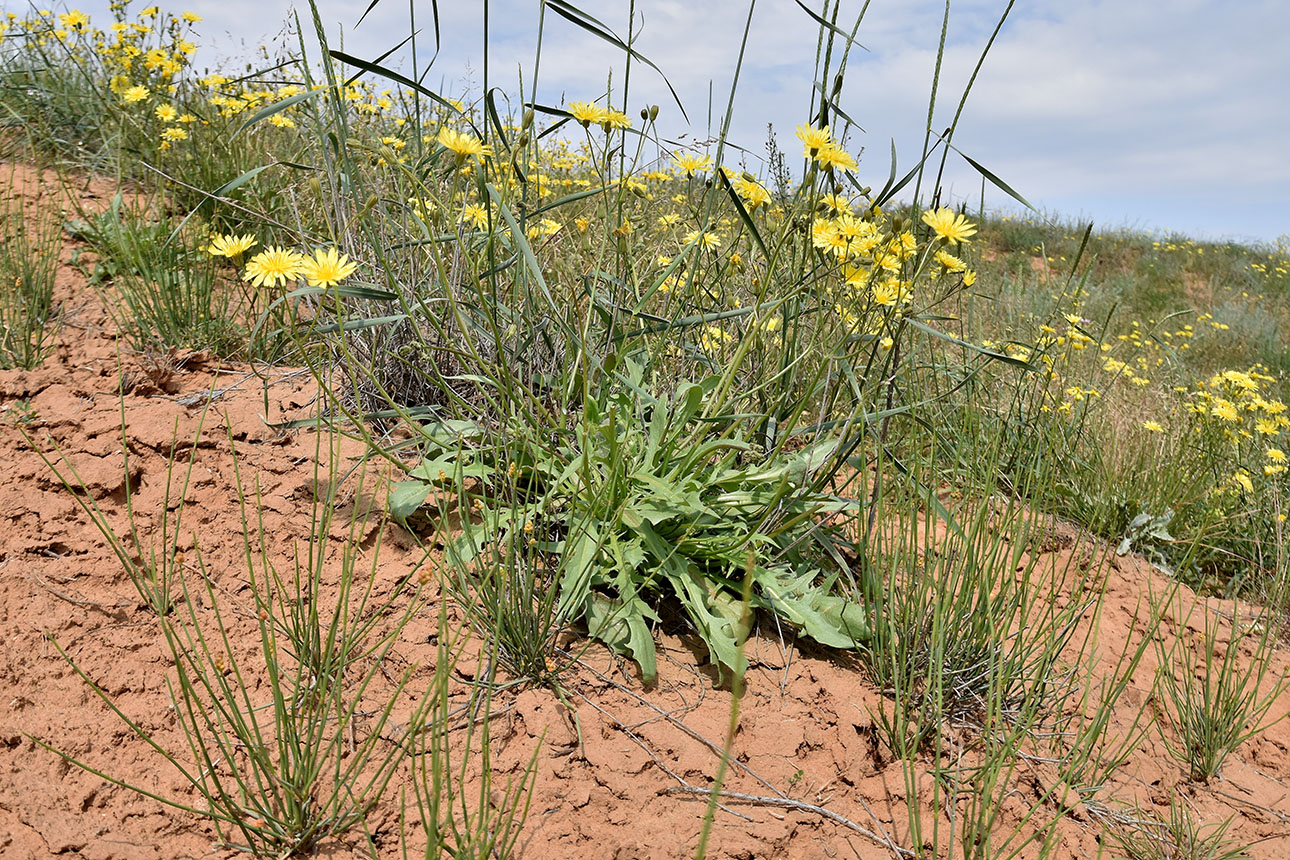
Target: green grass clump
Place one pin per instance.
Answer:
(30, 246)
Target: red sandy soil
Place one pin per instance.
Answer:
(806, 744)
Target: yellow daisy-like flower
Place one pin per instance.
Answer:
(617, 119)
(950, 262)
(475, 215)
(588, 113)
(690, 164)
(1153, 426)
(191, 17)
(704, 239)
(1225, 410)
(814, 140)
(464, 145)
(751, 191)
(839, 203)
(327, 268)
(75, 20)
(1276, 455)
(231, 246)
(951, 227)
(273, 266)
(835, 158)
(167, 113)
(1242, 478)
(136, 93)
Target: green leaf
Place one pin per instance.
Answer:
(392, 75)
(621, 625)
(581, 19)
(989, 353)
(717, 616)
(407, 497)
(277, 107)
(994, 180)
(826, 618)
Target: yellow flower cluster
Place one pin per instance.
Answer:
(819, 146)
(277, 266)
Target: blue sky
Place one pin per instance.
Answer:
(1153, 115)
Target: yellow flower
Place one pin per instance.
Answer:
(1243, 479)
(231, 246)
(588, 113)
(167, 113)
(703, 239)
(273, 266)
(835, 158)
(616, 119)
(75, 20)
(949, 226)
(1225, 410)
(814, 140)
(838, 203)
(1153, 426)
(191, 17)
(751, 191)
(464, 145)
(327, 268)
(950, 262)
(689, 164)
(713, 337)
(1276, 455)
(136, 93)
(475, 215)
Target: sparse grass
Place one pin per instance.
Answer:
(30, 246)
(1179, 836)
(1216, 697)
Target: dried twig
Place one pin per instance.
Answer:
(789, 803)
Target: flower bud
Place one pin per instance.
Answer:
(527, 120)
(653, 112)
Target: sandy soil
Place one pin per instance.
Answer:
(807, 746)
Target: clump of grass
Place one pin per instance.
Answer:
(282, 766)
(1215, 698)
(30, 245)
(166, 292)
(1179, 836)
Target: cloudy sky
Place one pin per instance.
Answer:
(1159, 115)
